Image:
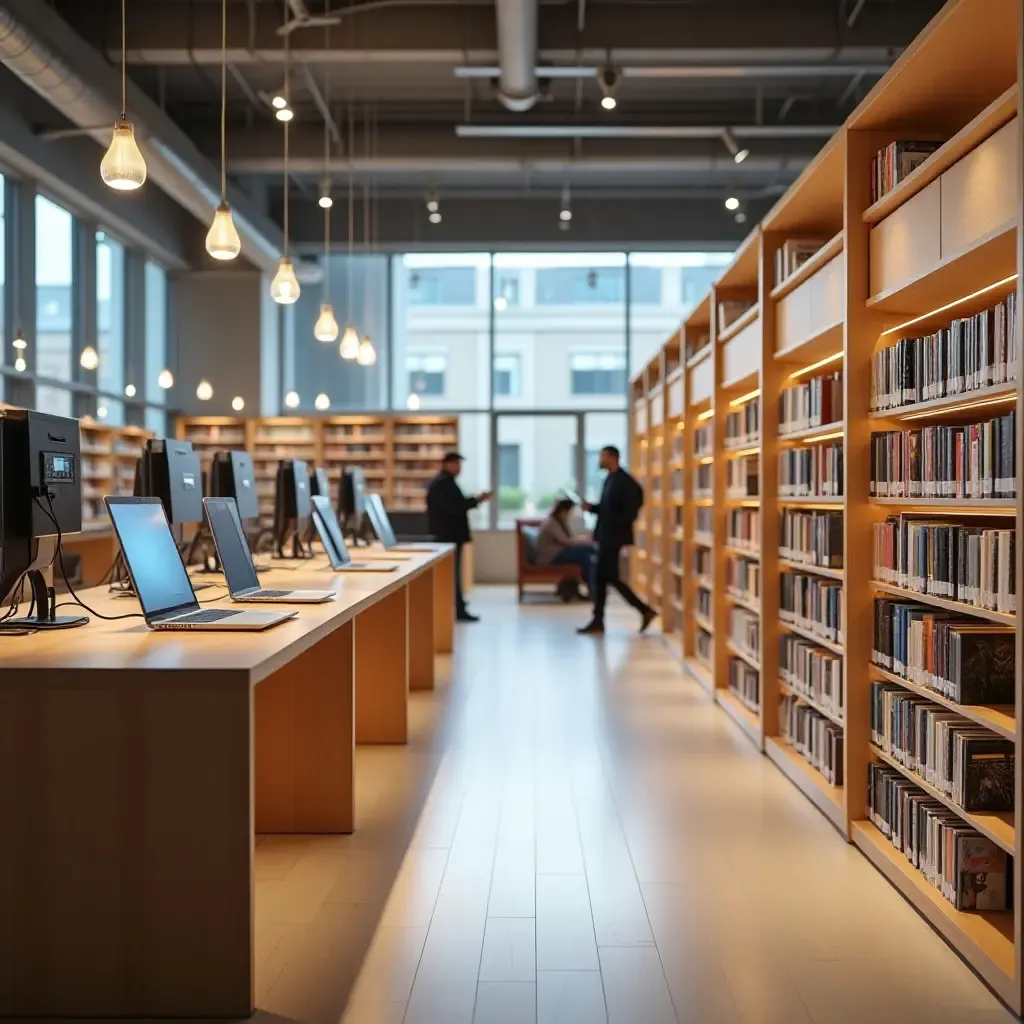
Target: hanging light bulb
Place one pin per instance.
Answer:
(222, 241)
(165, 379)
(284, 114)
(122, 166)
(291, 400)
(204, 391)
(129, 390)
(367, 354)
(18, 341)
(89, 359)
(326, 327)
(349, 342)
(238, 403)
(413, 401)
(322, 402)
(279, 102)
(20, 364)
(102, 412)
(284, 289)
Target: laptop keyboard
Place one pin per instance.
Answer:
(271, 593)
(207, 615)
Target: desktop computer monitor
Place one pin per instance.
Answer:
(352, 503)
(319, 483)
(232, 476)
(291, 506)
(169, 470)
(40, 502)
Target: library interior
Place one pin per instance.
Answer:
(448, 336)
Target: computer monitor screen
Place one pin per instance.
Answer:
(326, 523)
(379, 518)
(292, 490)
(353, 495)
(149, 549)
(232, 476)
(319, 483)
(173, 475)
(229, 537)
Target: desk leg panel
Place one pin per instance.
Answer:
(382, 670)
(421, 631)
(126, 869)
(305, 741)
(444, 604)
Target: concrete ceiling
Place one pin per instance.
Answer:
(404, 82)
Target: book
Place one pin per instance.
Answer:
(813, 736)
(894, 163)
(814, 403)
(744, 684)
(745, 630)
(813, 672)
(793, 254)
(743, 527)
(730, 310)
(811, 471)
(812, 537)
(742, 478)
(814, 603)
(743, 425)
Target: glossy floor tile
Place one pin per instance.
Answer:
(575, 835)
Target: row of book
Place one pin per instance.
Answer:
(812, 735)
(703, 441)
(744, 528)
(742, 478)
(675, 482)
(811, 471)
(970, 765)
(814, 603)
(813, 672)
(704, 519)
(970, 564)
(730, 310)
(743, 578)
(743, 425)
(793, 254)
(745, 684)
(970, 870)
(813, 537)
(972, 353)
(814, 403)
(704, 603)
(966, 660)
(973, 460)
(702, 481)
(891, 165)
(702, 561)
(702, 645)
(745, 630)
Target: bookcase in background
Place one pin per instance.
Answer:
(832, 277)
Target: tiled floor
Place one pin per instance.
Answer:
(576, 835)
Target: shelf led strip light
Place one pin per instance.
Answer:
(981, 403)
(743, 399)
(950, 305)
(814, 366)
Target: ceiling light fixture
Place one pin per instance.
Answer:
(367, 354)
(738, 154)
(89, 359)
(433, 204)
(322, 402)
(204, 391)
(238, 403)
(325, 200)
(165, 379)
(608, 79)
(291, 400)
(222, 241)
(285, 114)
(279, 102)
(123, 167)
(732, 203)
(413, 402)
(102, 412)
(565, 211)
(18, 341)
(129, 390)
(434, 217)
(349, 347)
(284, 289)
(20, 364)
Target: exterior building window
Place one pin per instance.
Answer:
(426, 374)
(442, 286)
(506, 292)
(110, 308)
(598, 373)
(577, 286)
(54, 278)
(507, 375)
(508, 466)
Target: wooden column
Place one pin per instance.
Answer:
(444, 604)
(421, 631)
(382, 670)
(305, 741)
(126, 884)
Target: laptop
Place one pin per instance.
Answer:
(381, 523)
(159, 578)
(327, 529)
(236, 559)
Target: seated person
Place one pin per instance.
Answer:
(556, 544)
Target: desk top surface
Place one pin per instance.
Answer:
(129, 645)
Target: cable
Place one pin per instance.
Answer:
(63, 572)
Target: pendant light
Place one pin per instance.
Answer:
(367, 354)
(222, 241)
(284, 289)
(322, 402)
(122, 166)
(165, 379)
(412, 403)
(89, 359)
(349, 348)
(204, 391)
(291, 400)
(326, 327)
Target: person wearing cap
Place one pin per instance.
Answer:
(448, 519)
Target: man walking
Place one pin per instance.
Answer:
(448, 519)
(621, 500)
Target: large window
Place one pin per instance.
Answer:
(54, 280)
(507, 375)
(110, 310)
(426, 374)
(598, 373)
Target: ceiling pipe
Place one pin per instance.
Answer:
(626, 131)
(696, 71)
(517, 54)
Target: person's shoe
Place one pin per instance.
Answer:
(592, 629)
(466, 617)
(649, 616)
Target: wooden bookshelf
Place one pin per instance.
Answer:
(109, 455)
(397, 454)
(903, 266)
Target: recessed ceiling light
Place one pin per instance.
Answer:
(732, 203)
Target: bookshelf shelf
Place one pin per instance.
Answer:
(826, 797)
(743, 601)
(704, 623)
(820, 344)
(741, 322)
(832, 248)
(812, 703)
(982, 397)
(746, 719)
(811, 434)
(704, 540)
(741, 552)
(1005, 618)
(825, 502)
(809, 634)
(734, 648)
(995, 826)
(698, 357)
(815, 570)
(965, 506)
(999, 718)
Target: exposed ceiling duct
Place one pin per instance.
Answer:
(517, 54)
(628, 131)
(42, 50)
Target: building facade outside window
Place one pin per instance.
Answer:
(110, 314)
(426, 374)
(54, 281)
(507, 369)
(597, 373)
(155, 357)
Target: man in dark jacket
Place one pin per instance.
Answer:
(448, 519)
(621, 500)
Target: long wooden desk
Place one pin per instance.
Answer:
(136, 767)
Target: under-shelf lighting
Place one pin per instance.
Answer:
(743, 399)
(831, 435)
(951, 305)
(743, 451)
(706, 460)
(706, 415)
(814, 366)
(942, 410)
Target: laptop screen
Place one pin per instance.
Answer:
(381, 522)
(161, 583)
(231, 544)
(326, 523)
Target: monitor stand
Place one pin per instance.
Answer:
(44, 596)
